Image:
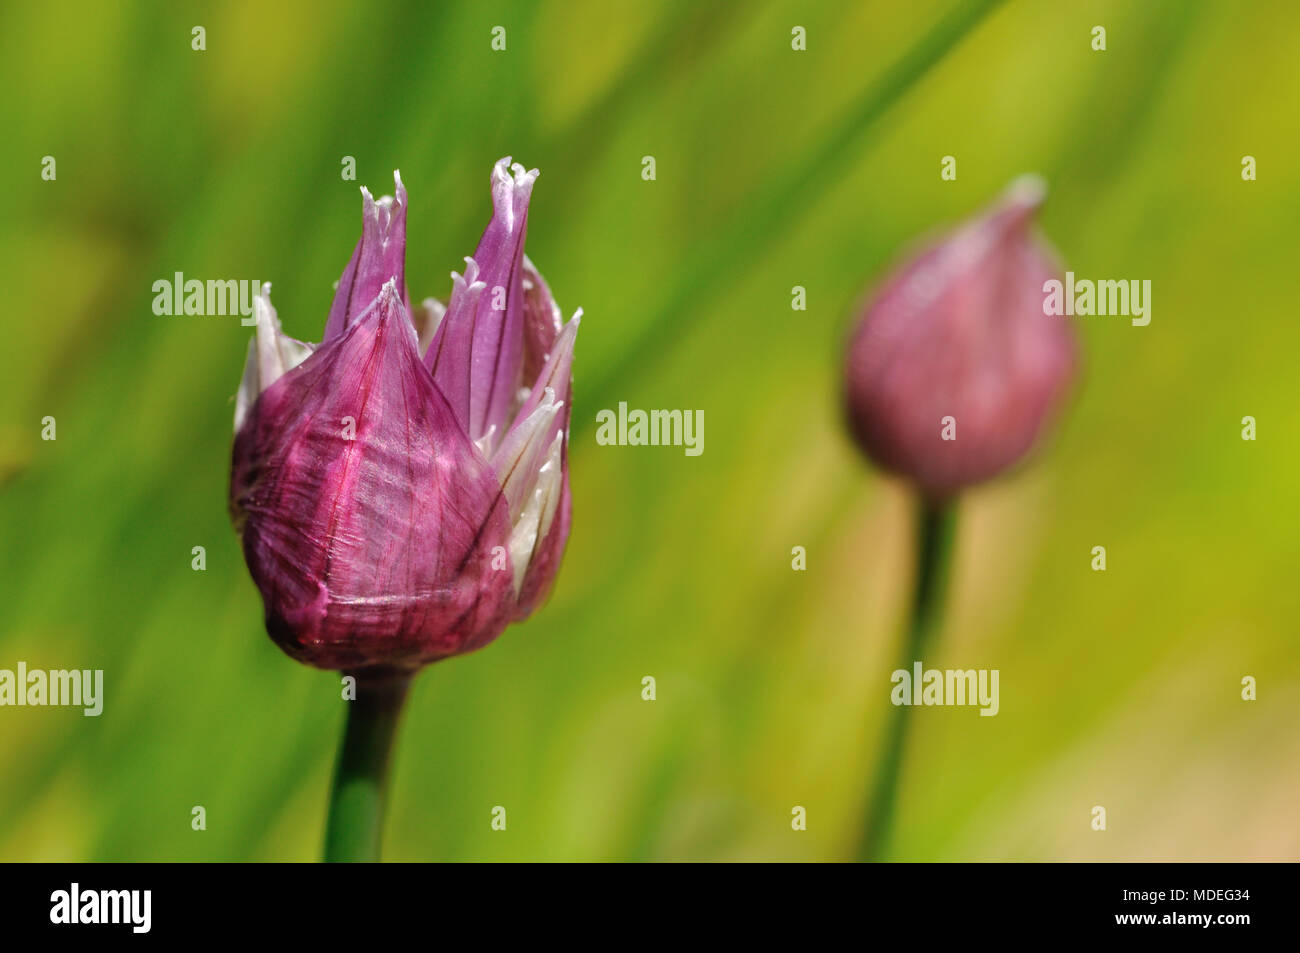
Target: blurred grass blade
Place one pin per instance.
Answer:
(749, 233)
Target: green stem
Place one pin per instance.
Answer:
(935, 529)
(357, 799)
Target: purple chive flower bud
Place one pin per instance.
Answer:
(954, 369)
(402, 487)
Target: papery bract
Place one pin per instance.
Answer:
(402, 488)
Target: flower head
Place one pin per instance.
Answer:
(953, 369)
(402, 487)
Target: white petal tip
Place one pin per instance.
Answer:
(1029, 189)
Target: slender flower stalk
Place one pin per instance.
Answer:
(402, 487)
(358, 795)
(952, 374)
(936, 526)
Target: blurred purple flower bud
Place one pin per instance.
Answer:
(954, 370)
(402, 488)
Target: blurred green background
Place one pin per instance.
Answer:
(775, 168)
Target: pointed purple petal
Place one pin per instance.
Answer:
(495, 331)
(543, 321)
(450, 352)
(380, 254)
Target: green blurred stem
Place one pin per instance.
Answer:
(357, 799)
(936, 523)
